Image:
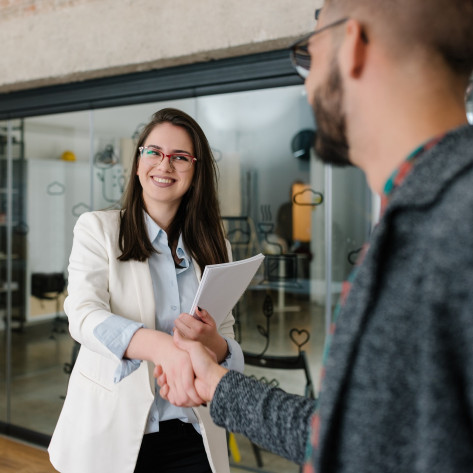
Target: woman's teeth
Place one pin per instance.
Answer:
(162, 180)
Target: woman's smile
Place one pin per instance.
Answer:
(163, 186)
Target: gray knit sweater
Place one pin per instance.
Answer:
(398, 391)
(270, 417)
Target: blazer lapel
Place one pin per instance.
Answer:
(197, 270)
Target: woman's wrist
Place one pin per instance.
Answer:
(222, 349)
(150, 345)
(216, 375)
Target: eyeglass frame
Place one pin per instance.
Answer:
(306, 37)
(169, 156)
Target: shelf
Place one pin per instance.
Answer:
(13, 286)
(16, 215)
(3, 256)
(4, 224)
(3, 190)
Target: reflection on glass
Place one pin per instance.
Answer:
(4, 137)
(13, 229)
(55, 149)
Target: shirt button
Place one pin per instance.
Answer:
(173, 307)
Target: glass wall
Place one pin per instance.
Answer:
(276, 198)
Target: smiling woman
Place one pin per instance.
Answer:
(165, 181)
(133, 274)
(184, 197)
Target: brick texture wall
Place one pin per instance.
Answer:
(22, 8)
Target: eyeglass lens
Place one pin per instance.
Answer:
(180, 162)
(300, 57)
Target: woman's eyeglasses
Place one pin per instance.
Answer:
(178, 161)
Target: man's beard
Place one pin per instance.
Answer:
(331, 143)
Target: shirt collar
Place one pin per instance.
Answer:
(157, 235)
(398, 176)
(155, 232)
(182, 254)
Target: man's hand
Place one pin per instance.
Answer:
(208, 372)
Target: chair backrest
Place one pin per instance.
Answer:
(241, 232)
(295, 362)
(47, 285)
(281, 268)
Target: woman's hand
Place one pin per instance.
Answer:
(203, 331)
(159, 348)
(177, 366)
(207, 372)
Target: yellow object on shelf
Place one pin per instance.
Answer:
(68, 156)
(301, 214)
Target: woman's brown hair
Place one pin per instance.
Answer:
(198, 217)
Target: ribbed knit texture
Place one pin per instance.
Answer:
(398, 391)
(266, 415)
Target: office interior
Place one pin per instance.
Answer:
(308, 219)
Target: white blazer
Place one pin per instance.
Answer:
(102, 423)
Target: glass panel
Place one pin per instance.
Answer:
(308, 219)
(55, 178)
(354, 212)
(262, 141)
(13, 246)
(3, 301)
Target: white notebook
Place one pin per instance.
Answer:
(222, 285)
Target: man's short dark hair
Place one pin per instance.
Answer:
(441, 27)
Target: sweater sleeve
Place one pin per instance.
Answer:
(269, 417)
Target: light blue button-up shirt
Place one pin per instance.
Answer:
(174, 291)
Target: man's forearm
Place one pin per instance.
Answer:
(269, 417)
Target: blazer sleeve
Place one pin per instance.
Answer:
(88, 301)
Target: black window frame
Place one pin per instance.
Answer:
(251, 72)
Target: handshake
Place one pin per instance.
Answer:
(190, 373)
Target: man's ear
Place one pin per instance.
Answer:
(353, 51)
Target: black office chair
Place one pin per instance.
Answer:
(50, 286)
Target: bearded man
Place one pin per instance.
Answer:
(386, 80)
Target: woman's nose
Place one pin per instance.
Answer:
(166, 164)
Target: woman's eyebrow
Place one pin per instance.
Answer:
(174, 151)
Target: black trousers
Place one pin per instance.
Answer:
(176, 448)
